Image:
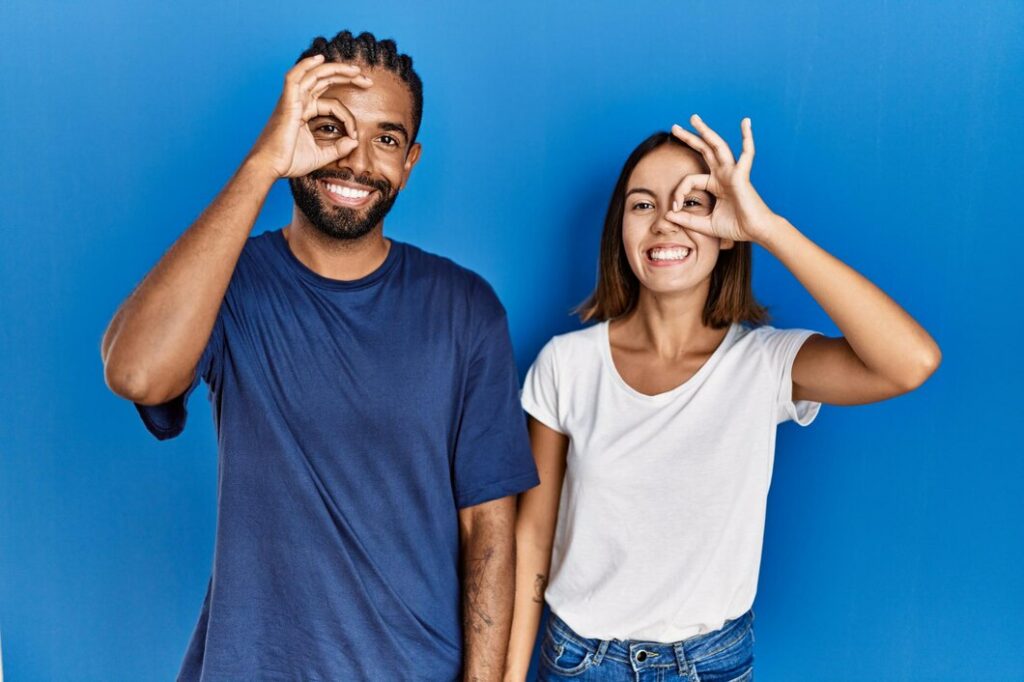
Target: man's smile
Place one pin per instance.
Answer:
(344, 193)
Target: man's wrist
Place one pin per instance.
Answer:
(259, 171)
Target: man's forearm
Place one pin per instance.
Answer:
(488, 590)
(159, 332)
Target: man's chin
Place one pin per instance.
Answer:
(346, 223)
(344, 231)
(339, 222)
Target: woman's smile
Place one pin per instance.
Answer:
(666, 255)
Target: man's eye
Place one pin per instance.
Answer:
(333, 128)
(388, 140)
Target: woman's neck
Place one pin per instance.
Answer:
(668, 325)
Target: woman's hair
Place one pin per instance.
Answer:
(730, 297)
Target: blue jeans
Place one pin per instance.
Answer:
(724, 655)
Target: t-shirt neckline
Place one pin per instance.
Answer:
(394, 255)
(606, 353)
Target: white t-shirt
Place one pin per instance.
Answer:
(662, 511)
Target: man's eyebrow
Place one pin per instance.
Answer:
(389, 126)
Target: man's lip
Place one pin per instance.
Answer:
(346, 183)
(346, 201)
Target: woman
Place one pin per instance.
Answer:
(654, 430)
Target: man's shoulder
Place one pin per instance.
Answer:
(262, 242)
(445, 271)
(259, 247)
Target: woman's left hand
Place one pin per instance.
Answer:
(739, 213)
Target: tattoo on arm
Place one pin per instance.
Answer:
(475, 616)
(539, 583)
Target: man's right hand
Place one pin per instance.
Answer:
(286, 147)
(153, 345)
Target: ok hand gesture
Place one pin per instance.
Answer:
(286, 145)
(739, 213)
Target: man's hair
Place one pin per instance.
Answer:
(730, 297)
(365, 49)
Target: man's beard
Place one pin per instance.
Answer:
(340, 222)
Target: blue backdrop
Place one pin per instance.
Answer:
(888, 132)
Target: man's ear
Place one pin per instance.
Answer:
(726, 244)
(410, 160)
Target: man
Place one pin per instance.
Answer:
(364, 391)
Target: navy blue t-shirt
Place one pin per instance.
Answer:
(354, 418)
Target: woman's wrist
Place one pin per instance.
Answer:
(776, 229)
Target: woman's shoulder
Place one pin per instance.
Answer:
(776, 345)
(587, 338)
(766, 334)
(569, 349)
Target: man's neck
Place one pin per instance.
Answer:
(341, 259)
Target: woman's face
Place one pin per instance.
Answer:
(665, 257)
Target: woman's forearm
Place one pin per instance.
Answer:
(533, 560)
(883, 335)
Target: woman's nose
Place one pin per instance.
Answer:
(663, 225)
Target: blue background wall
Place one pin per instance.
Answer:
(889, 132)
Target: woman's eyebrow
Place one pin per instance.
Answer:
(639, 189)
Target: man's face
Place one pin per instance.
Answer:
(349, 197)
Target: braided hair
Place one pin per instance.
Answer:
(365, 49)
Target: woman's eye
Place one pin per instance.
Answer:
(691, 202)
(642, 205)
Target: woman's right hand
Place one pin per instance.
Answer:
(287, 147)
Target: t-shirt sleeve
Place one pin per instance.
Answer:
(167, 420)
(781, 347)
(540, 389)
(492, 450)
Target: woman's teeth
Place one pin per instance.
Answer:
(347, 192)
(669, 254)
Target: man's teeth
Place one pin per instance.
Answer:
(348, 192)
(669, 254)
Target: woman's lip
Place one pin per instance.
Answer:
(347, 202)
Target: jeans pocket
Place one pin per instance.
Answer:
(748, 676)
(733, 662)
(564, 656)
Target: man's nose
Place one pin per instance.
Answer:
(359, 159)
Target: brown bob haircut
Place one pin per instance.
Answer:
(730, 297)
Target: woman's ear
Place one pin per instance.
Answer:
(726, 244)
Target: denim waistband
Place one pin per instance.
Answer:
(640, 653)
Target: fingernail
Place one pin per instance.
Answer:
(675, 205)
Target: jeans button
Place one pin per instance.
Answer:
(641, 656)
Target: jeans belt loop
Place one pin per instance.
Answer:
(601, 649)
(684, 665)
